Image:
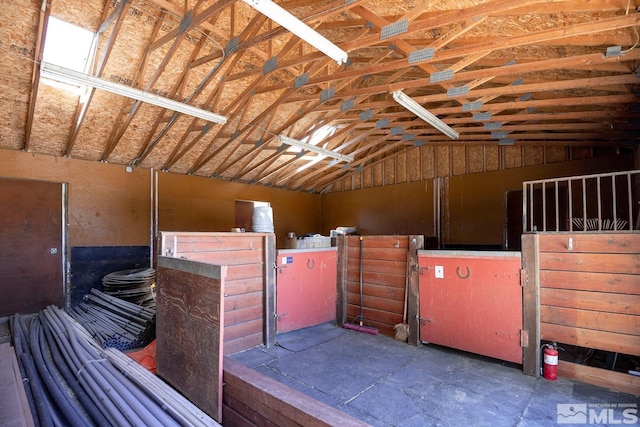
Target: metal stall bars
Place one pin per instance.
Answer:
(587, 203)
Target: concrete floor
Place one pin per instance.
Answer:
(388, 383)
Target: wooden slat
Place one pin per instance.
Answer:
(389, 292)
(246, 271)
(230, 257)
(379, 265)
(598, 301)
(242, 315)
(243, 286)
(244, 329)
(15, 407)
(391, 280)
(588, 281)
(622, 382)
(382, 304)
(235, 302)
(608, 341)
(413, 298)
(596, 263)
(588, 319)
(530, 305)
(244, 343)
(377, 253)
(341, 285)
(591, 243)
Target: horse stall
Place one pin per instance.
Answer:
(374, 286)
(581, 261)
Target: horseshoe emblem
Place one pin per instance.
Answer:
(466, 276)
(311, 263)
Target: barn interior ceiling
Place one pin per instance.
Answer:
(497, 72)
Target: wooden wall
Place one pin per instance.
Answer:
(589, 296)
(189, 332)
(192, 203)
(473, 204)
(384, 279)
(249, 286)
(106, 205)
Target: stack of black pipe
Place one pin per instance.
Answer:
(71, 382)
(135, 285)
(116, 323)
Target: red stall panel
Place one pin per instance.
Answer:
(305, 287)
(472, 301)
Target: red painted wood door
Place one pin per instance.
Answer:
(472, 301)
(305, 288)
(31, 245)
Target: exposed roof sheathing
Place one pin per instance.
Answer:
(532, 71)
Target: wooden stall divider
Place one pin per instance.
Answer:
(190, 315)
(589, 297)
(385, 268)
(250, 285)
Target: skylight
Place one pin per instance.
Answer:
(316, 137)
(67, 45)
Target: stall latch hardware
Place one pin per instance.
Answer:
(524, 277)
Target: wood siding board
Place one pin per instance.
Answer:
(374, 278)
(531, 304)
(608, 341)
(236, 302)
(600, 377)
(243, 329)
(591, 262)
(230, 257)
(413, 298)
(243, 286)
(241, 344)
(586, 281)
(381, 304)
(243, 315)
(596, 301)
(588, 319)
(611, 243)
(379, 291)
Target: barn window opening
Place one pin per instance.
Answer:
(68, 46)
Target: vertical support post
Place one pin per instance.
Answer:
(530, 281)
(413, 298)
(341, 279)
(269, 290)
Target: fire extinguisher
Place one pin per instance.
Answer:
(550, 361)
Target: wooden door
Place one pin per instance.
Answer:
(31, 245)
(305, 288)
(472, 301)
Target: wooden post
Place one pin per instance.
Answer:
(270, 290)
(413, 298)
(341, 279)
(530, 280)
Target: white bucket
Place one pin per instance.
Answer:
(262, 220)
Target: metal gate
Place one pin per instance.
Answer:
(472, 301)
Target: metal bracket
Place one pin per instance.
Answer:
(524, 338)
(524, 277)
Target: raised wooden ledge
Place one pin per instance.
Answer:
(251, 398)
(620, 381)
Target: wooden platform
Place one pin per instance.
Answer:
(14, 408)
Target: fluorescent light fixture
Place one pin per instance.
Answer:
(299, 28)
(315, 149)
(425, 115)
(66, 75)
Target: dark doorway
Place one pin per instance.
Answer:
(32, 245)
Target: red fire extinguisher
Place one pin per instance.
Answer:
(550, 361)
